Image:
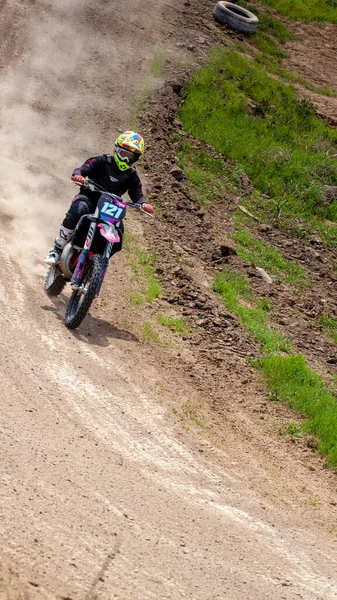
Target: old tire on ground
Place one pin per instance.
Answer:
(80, 302)
(237, 17)
(54, 282)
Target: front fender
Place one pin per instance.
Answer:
(109, 232)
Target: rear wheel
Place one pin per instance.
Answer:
(54, 282)
(82, 298)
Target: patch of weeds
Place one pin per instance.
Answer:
(275, 67)
(265, 304)
(292, 382)
(128, 240)
(144, 273)
(206, 175)
(235, 175)
(175, 324)
(187, 262)
(191, 412)
(149, 334)
(136, 300)
(153, 289)
(329, 528)
(309, 11)
(327, 92)
(329, 326)
(295, 431)
(262, 254)
(273, 27)
(313, 500)
(271, 53)
(253, 312)
(188, 414)
(267, 45)
(239, 47)
(158, 207)
(330, 212)
(326, 231)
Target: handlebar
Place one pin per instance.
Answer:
(94, 187)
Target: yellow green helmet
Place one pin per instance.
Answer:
(129, 147)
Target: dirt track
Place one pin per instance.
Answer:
(103, 495)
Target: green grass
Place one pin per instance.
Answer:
(265, 44)
(264, 255)
(268, 39)
(260, 125)
(149, 334)
(295, 431)
(188, 262)
(257, 121)
(288, 378)
(270, 26)
(148, 287)
(207, 176)
(306, 10)
(329, 326)
(290, 381)
(175, 324)
(271, 62)
(253, 312)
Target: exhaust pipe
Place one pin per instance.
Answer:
(65, 260)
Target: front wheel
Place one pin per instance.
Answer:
(82, 298)
(54, 282)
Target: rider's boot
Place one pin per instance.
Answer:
(54, 254)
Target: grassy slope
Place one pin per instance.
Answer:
(257, 121)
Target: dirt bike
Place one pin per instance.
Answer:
(85, 258)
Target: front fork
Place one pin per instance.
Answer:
(106, 257)
(83, 258)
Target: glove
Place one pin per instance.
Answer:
(78, 179)
(148, 208)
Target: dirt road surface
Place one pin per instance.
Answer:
(100, 496)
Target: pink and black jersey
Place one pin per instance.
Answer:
(104, 171)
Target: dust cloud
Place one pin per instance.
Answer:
(57, 108)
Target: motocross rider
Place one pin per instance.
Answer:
(116, 175)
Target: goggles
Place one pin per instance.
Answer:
(126, 155)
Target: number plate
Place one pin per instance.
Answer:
(111, 211)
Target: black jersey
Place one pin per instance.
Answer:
(104, 171)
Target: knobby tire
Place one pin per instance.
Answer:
(54, 282)
(79, 303)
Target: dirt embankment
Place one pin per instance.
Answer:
(192, 243)
(187, 232)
